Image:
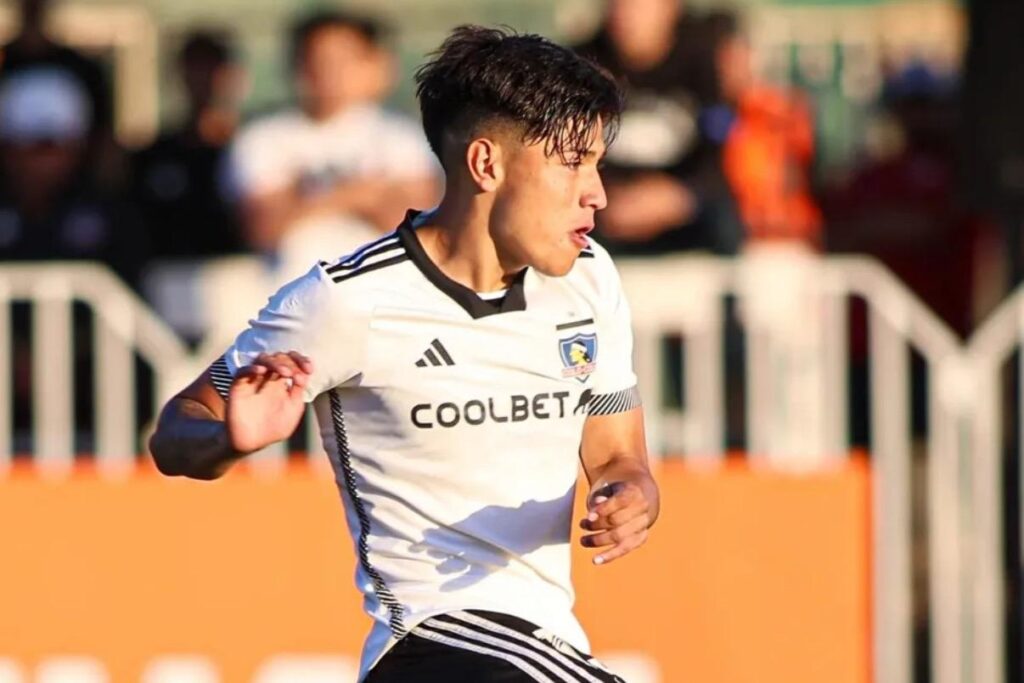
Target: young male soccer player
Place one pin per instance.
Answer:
(458, 367)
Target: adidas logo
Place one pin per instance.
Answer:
(436, 355)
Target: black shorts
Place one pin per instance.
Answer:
(485, 647)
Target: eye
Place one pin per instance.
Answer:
(574, 164)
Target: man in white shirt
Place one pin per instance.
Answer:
(462, 368)
(338, 169)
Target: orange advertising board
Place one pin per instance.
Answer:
(748, 576)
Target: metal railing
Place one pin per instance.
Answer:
(792, 309)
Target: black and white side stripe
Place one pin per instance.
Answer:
(221, 377)
(538, 658)
(617, 402)
(383, 593)
(386, 251)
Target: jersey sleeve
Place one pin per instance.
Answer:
(614, 381)
(303, 316)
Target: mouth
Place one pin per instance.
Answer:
(579, 235)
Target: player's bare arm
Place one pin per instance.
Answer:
(199, 434)
(623, 502)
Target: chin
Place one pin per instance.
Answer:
(558, 267)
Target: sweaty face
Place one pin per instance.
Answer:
(545, 206)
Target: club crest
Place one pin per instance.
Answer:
(579, 355)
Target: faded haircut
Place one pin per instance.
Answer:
(485, 76)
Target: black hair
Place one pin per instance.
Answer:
(495, 75)
(303, 29)
(207, 45)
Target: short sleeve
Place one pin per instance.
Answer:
(303, 316)
(614, 380)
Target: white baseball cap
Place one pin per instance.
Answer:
(43, 103)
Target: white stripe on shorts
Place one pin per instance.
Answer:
(503, 644)
(517, 662)
(534, 642)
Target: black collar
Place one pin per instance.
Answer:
(514, 299)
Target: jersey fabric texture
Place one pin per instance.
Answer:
(453, 423)
(485, 647)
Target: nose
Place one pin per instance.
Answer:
(594, 196)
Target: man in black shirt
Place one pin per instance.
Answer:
(666, 190)
(179, 182)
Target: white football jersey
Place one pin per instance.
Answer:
(453, 423)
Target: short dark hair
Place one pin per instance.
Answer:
(481, 75)
(208, 45)
(303, 29)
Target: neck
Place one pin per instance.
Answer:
(458, 240)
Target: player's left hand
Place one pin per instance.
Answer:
(619, 514)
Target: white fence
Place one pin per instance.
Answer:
(793, 310)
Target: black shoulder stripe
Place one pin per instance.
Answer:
(359, 251)
(372, 267)
(358, 260)
(586, 254)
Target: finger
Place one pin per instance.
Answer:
(291, 365)
(246, 380)
(622, 497)
(621, 549)
(600, 494)
(638, 509)
(304, 362)
(250, 371)
(614, 536)
(282, 364)
(298, 386)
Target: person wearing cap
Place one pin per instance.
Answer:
(49, 209)
(33, 47)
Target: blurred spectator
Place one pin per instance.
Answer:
(32, 47)
(768, 143)
(903, 209)
(49, 209)
(666, 190)
(180, 181)
(991, 134)
(338, 169)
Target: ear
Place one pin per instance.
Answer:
(484, 161)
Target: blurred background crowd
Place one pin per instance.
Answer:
(744, 126)
(206, 156)
(208, 151)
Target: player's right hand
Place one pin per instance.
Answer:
(265, 403)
